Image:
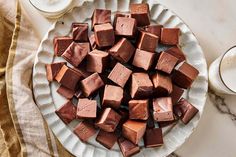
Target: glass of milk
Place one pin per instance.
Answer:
(222, 72)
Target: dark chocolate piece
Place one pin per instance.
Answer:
(125, 26)
(166, 62)
(80, 32)
(176, 94)
(100, 16)
(109, 120)
(61, 44)
(141, 13)
(120, 74)
(184, 74)
(76, 52)
(133, 130)
(170, 36)
(67, 112)
(65, 92)
(177, 52)
(53, 69)
(154, 29)
(162, 84)
(143, 59)
(91, 84)
(122, 50)
(163, 109)
(84, 131)
(185, 110)
(138, 109)
(147, 41)
(119, 14)
(104, 35)
(112, 97)
(86, 108)
(153, 138)
(128, 148)
(107, 139)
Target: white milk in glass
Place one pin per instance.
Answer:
(222, 73)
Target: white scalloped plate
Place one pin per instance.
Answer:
(48, 100)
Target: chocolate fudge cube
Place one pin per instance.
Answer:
(153, 138)
(177, 52)
(108, 120)
(166, 62)
(100, 16)
(185, 110)
(184, 74)
(133, 130)
(147, 41)
(76, 52)
(91, 84)
(84, 131)
(141, 86)
(176, 94)
(162, 84)
(138, 109)
(170, 36)
(107, 139)
(120, 74)
(154, 29)
(128, 148)
(80, 32)
(53, 69)
(112, 97)
(97, 61)
(68, 78)
(125, 26)
(163, 109)
(104, 35)
(122, 50)
(143, 59)
(119, 14)
(86, 108)
(65, 92)
(67, 112)
(61, 44)
(141, 13)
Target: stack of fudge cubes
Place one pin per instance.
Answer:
(139, 88)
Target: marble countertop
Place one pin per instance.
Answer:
(214, 24)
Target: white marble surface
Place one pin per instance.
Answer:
(214, 23)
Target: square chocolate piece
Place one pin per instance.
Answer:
(176, 94)
(107, 139)
(122, 50)
(185, 110)
(53, 69)
(91, 84)
(67, 112)
(162, 84)
(109, 120)
(125, 26)
(76, 52)
(138, 109)
(65, 92)
(120, 74)
(141, 13)
(61, 44)
(128, 148)
(153, 138)
(184, 75)
(86, 108)
(166, 62)
(143, 59)
(112, 97)
(177, 52)
(104, 35)
(80, 32)
(68, 78)
(154, 29)
(141, 86)
(170, 36)
(84, 131)
(100, 16)
(147, 41)
(119, 14)
(97, 61)
(133, 130)
(163, 109)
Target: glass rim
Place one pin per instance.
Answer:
(221, 60)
